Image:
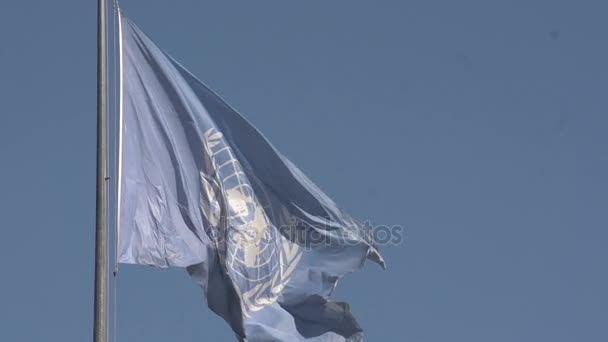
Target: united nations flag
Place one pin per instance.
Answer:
(201, 188)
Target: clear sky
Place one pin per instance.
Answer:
(479, 126)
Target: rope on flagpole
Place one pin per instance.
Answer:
(107, 183)
(118, 110)
(116, 94)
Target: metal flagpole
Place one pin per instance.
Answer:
(101, 231)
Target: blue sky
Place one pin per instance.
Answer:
(479, 126)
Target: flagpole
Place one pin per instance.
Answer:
(101, 232)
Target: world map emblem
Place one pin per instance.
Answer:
(243, 225)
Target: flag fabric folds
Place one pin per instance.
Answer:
(201, 188)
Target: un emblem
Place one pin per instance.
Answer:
(259, 260)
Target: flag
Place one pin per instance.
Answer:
(202, 189)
